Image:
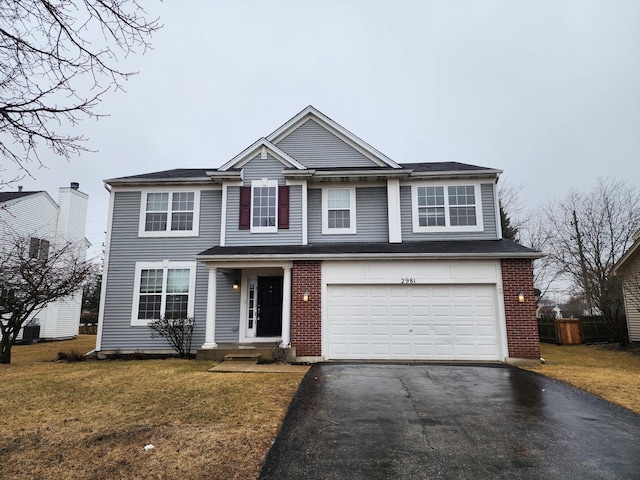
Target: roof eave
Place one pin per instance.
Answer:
(494, 173)
(625, 258)
(365, 256)
(117, 182)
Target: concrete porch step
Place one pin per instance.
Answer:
(242, 357)
(218, 354)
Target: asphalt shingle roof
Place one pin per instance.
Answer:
(6, 196)
(184, 173)
(463, 248)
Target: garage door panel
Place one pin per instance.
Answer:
(442, 322)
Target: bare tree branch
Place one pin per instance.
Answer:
(54, 70)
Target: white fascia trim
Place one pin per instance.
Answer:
(105, 270)
(249, 153)
(625, 258)
(164, 265)
(263, 183)
(416, 228)
(352, 212)
(169, 233)
(310, 112)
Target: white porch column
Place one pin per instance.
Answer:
(286, 307)
(210, 331)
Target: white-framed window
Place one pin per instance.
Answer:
(163, 289)
(446, 207)
(169, 213)
(264, 206)
(38, 248)
(338, 210)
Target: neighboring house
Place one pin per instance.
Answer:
(38, 216)
(313, 238)
(628, 267)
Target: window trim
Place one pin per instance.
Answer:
(417, 228)
(194, 232)
(352, 212)
(39, 251)
(264, 183)
(165, 265)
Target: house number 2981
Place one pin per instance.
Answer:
(407, 280)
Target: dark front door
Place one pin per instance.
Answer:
(269, 307)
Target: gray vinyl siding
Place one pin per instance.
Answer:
(372, 223)
(315, 147)
(127, 248)
(258, 168)
(254, 170)
(227, 309)
(630, 279)
(488, 213)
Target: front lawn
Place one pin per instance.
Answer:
(92, 419)
(610, 374)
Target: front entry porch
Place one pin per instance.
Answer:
(262, 308)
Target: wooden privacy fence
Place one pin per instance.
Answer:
(571, 331)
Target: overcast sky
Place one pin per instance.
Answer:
(548, 91)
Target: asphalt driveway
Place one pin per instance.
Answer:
(373, 421)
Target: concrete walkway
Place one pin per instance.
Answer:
(249, 367)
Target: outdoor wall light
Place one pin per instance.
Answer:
(236, 285)
(305, 297)
(521, 296)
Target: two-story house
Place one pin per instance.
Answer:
(314, 239)
(35, 216)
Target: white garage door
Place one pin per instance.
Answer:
(420, 322)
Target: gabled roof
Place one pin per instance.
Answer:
(261, 145)
(6, 196)
(335, 128)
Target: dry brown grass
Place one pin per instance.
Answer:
(612, 375)
(46, 351)
(92, 419)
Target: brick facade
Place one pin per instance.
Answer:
(522, 325)
(306, 320)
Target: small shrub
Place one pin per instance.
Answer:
(177, 332)
(72, 356)
(138, 355)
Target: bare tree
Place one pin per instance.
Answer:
(526, 226)
(512, 215)
(32, 277)
(57, 60)
(588, 235)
